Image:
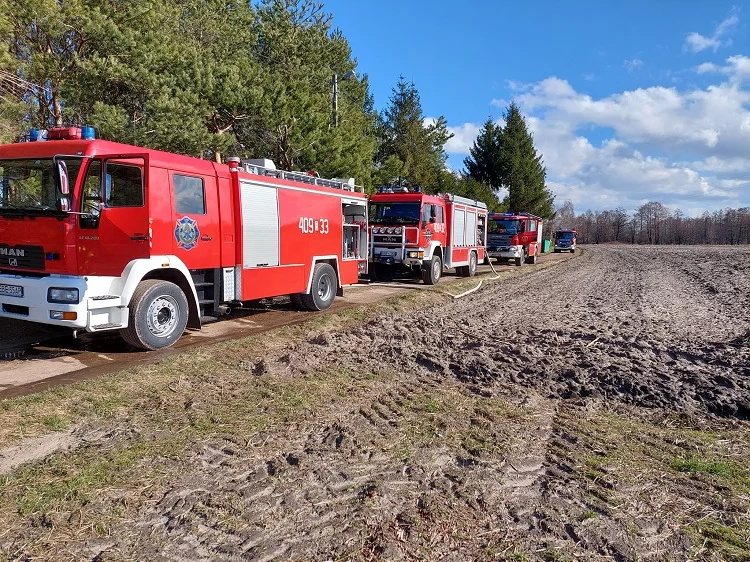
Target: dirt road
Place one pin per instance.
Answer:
(596, 410)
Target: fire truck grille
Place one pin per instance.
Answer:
(29, 257)
(499, 240)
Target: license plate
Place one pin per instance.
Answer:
(11, 290)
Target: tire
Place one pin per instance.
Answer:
(557, 251)
(572, 251)
(432, 274)
(533, 259)
(471, 269)
(322, 289)
(158, 315)
(520, 261)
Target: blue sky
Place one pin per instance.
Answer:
(628, 101)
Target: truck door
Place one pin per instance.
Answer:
(433, 221)
(196, 237)
(113, 229)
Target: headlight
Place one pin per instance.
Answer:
(397, 230)
(390, 230)
(56, 294)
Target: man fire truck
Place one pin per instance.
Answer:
(413, 231)
(97, 236)
(514, 236)
(565, 240)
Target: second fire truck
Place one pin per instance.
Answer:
(411, 231)
(100, 236)
(514, 236)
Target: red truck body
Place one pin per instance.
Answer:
(421, 233)
(514, 236)
(147, 242)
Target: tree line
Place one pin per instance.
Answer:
(209, 78)
(654, 223)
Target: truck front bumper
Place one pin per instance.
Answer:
(26, 298)
(509, 252)
(393, 256)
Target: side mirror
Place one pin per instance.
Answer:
(62, 177)
(63, 204)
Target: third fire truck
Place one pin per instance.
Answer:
(412, 231)
(100, 236)
(514, 236)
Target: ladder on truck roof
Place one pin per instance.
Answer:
(265, 167)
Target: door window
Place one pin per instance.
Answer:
(123, 185)
(91, 195)
(189, 195)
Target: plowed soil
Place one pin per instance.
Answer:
(594, 410)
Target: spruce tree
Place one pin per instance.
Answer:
(521, 169)
(483, 162)
(409, 150)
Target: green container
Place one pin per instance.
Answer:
(546, 244)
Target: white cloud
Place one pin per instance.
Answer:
(696, 42)
(633, 64)
(689, 149)
(463, 138)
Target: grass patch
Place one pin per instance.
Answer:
(733, 543)
(717, 468)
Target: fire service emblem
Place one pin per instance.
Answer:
(186, 233)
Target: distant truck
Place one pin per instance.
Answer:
(565, 241)
(415, 232)
(514, 236)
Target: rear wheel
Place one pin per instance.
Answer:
(471, 269)
(158, 315)
(322, 289)
(432, 274)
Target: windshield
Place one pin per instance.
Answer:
(29, 184)
(503, 226)
(564, 235)
(395, 213)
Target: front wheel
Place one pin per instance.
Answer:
(322, 289)
(432, 274)
(158, 315)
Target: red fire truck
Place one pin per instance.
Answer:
(514, 236)
(413, 231)
(96, 236)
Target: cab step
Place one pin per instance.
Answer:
(110, 326)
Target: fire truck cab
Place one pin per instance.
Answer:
(415, 232)
(565, 240)
(97, 235)
(514, 236)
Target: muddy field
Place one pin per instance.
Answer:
(594, 410)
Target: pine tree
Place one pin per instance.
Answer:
(483, 162)
(409, 150)
(521, 169)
